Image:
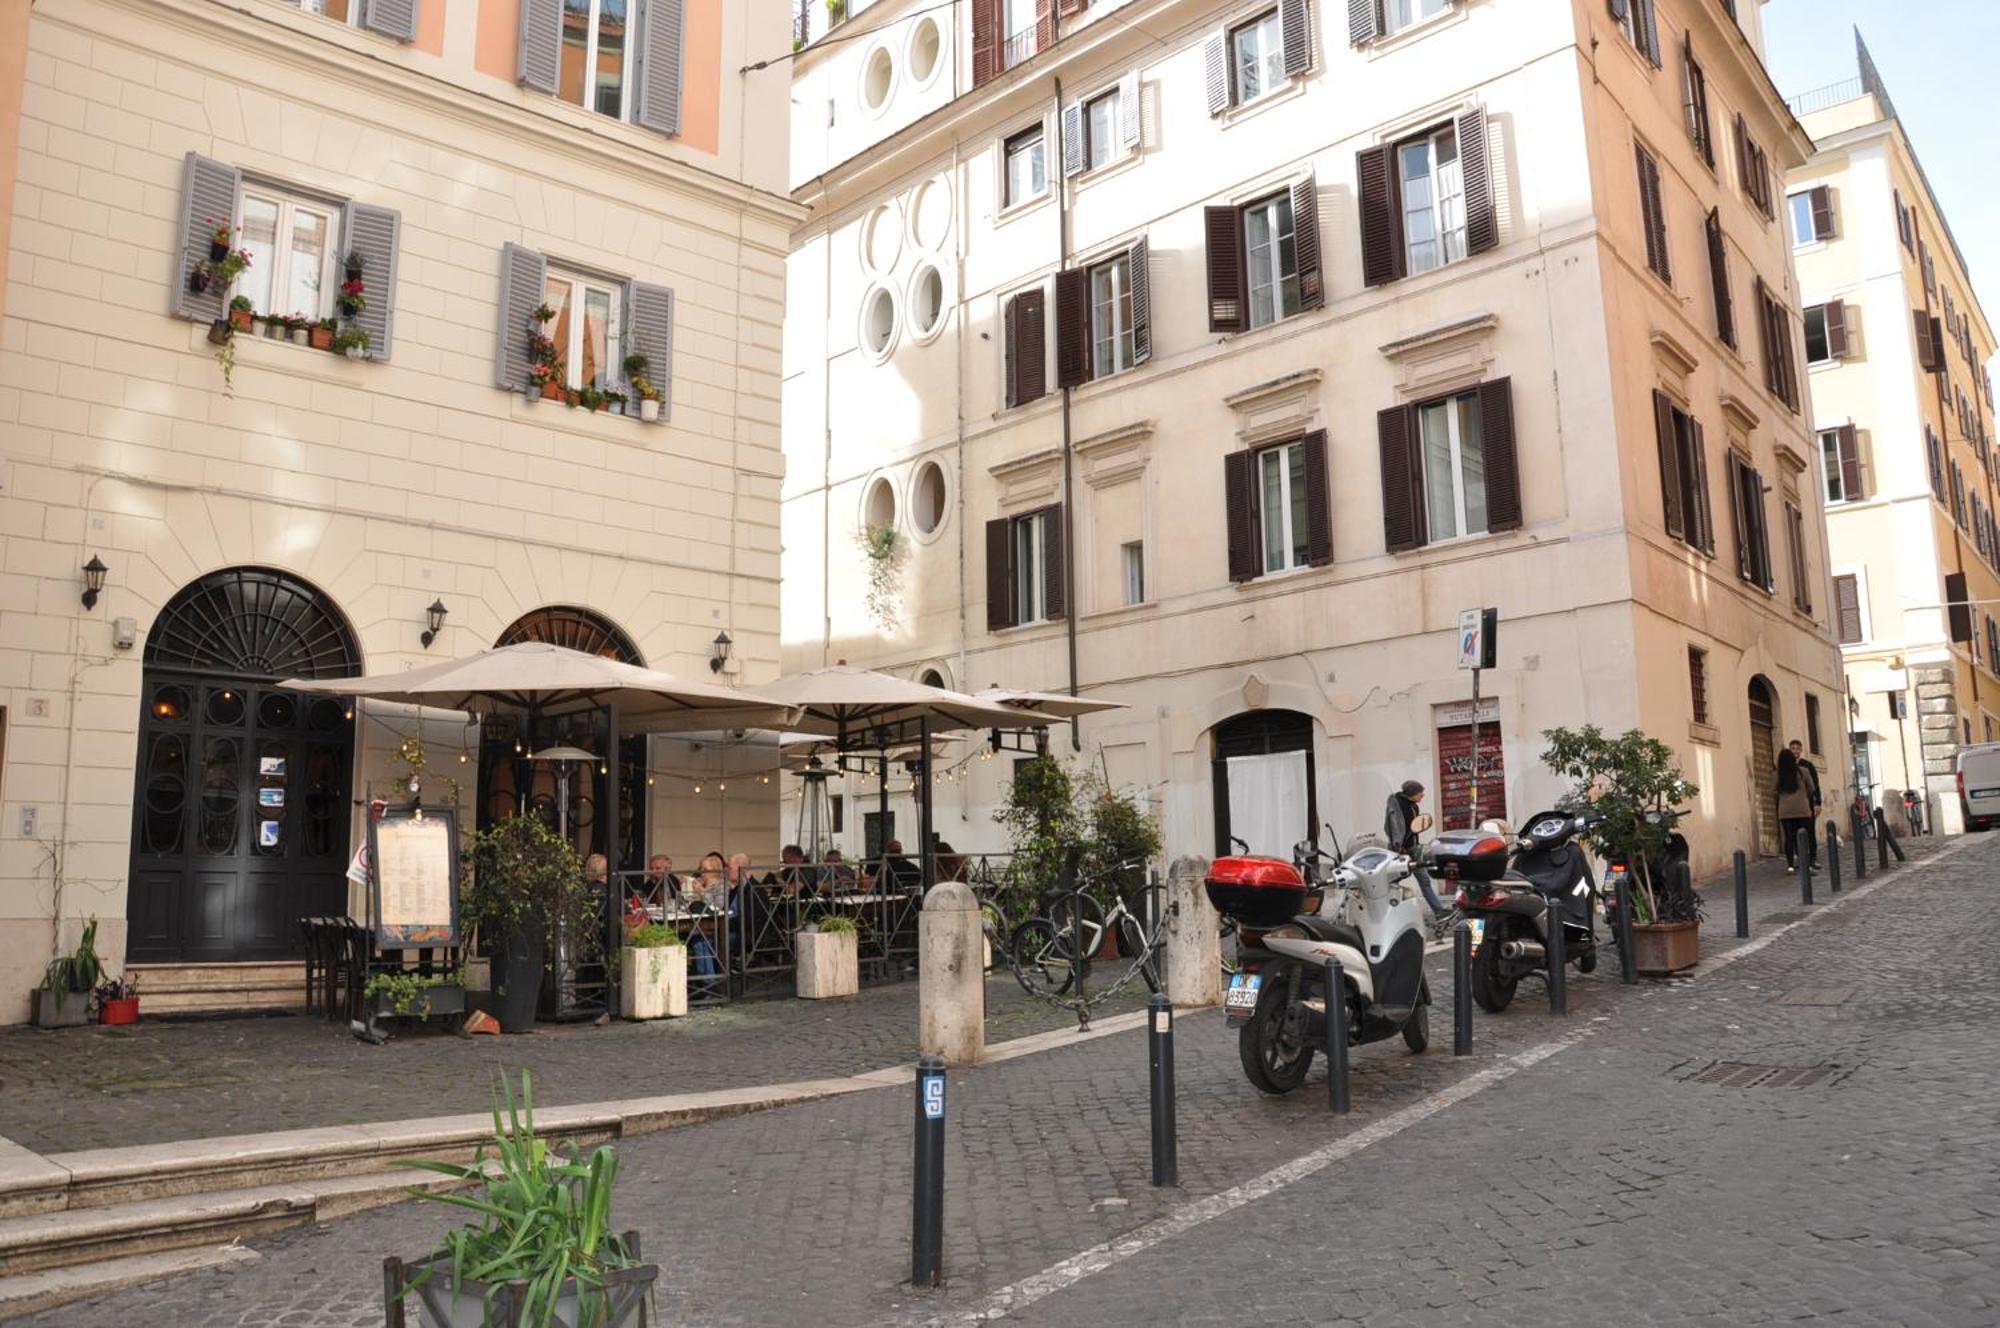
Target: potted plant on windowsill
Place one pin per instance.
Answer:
(323, 332)
(542, 1251)
(300, 329)
(545, 367)
(241, 312)
(219, 234)
(352, 301)
(518, 877)
(351, 342)
(637, 365)
(276, 327)
(63, 999)
(118, 1001)
(829, 953)
(652, 974)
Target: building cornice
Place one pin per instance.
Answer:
(281, 33)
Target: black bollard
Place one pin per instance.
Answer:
(1628, 962)
(927, 1177)
(1336, 1039)
(1889, 838)
(1740, 867)
(1802, 849)
(1881, 840)
(1160, 1036)
(1558, 961)
(1859, 825)
(1461, 989)
(1833, 857)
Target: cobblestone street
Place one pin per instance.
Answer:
(1572, 1171)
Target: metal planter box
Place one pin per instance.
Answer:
(428, 1281)
(60, 1009)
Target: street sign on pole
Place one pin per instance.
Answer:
(1471, 634)
(1478, 648)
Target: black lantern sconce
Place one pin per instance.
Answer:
(93, 580)
(434, 615)
(718, 653)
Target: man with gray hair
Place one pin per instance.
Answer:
(1402, 826)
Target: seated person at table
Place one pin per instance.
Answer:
(836, 874)
(950, 866)
(596, 869)
(706, 892)
(900, 872)
(792, 879)
(658, 886)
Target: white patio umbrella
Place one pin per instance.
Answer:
(1060, 705)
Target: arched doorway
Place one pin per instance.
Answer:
(1764, 763)
(509, 782)
(1266, 790)
(240, 800)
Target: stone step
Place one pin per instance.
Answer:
(210, 988)
(33, 1293)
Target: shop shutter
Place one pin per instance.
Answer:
(1503, 466)
(1482, 214)
(1215, 56)
(985, 41)
(1701, 521)
(391, 18)
(1296, 30)
(1073, 155)
(1718, 275)
(1055, 553)
(999, 574)
(1305, 234)
(1670, 464)
(1849, 448)
(1381, 231)
(1319, 501)
(1402, 480)
(662, 36)
(374, 232)
(1027, 347)
(1139, 262)
(649, 330)
(1364, 21)
(539, 64)
(523, 282)
(1072, 327)
(1820, 199)
(208, 198)
(1957, 609)
(1223, 227)
(1131, 121)
(1928, 357)
(1847, 608)
(1239, 492)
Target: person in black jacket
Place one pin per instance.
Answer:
(1400, 828)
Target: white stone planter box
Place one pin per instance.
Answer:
(479, 975)
(653, 983)
(829, 964)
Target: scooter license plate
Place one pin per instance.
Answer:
(1241, 999)
(1477, 926)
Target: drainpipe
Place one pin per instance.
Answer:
(1068, 456)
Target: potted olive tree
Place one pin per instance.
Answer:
(829, 953)
(541, 1251)
(517, 875)
(63, 999)
(653, 974)
(1617, 782)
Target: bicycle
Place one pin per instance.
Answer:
(1051, 951)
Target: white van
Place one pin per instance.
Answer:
(1979, 784)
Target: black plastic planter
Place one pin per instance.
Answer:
(517, 978)
(198, 280)
(218, 250)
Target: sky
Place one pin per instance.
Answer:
(1935, 59)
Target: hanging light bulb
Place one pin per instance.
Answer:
(464, 758)
(697, 788)
(722, 786)
(603, 767)
(349, 712)
(517, 746)
(650, 781)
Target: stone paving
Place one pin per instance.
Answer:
(1599, 1185)
(161, 1081)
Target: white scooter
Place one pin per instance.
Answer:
(1366, 912)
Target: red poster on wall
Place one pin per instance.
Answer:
(1454, 749)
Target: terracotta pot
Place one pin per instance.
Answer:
(1663, 948)
(553, 392)
(240, 319)
(322, 338)
(124, 1011)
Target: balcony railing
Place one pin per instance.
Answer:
(1017, 48)
(1833, 94)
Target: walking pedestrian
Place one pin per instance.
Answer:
(1403, 825)
(1798, 799)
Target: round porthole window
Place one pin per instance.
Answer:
(930, 215)
(927, 497)
(878, 321)
(878, 79)
(881, 239)
(926, 302)
(880, 508)
(926, 48)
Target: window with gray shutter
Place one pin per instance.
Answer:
(1138, 264)
(391, 18)
(1364, 21)
(1847, 606)
(539, 64)
(1072, 139)
(663, 24)
(1131, 125)
(208, 198)
(1215, 57)
(649, 331)
(523, 279)
(371, 233)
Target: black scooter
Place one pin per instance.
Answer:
(1508, 910)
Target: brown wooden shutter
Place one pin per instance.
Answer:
(1670, 464)
(1718, 274)
(1836, 329)
(1849, 449)
(986, 26)
(1027, 347)
(1928, 358)
(1701, 521)
(1795, 552)
(1957, 610)
(1482, 213)
(1224, 231)
(1739, 518)
(1364, 21)
(1402, 480)
(1381, 231)
(1305, 233)
(1239, 491)
(1139, 264)
(1745, 167)
(999, 574)
(1821, 200)
(1935, 455)
(1652, 211)
(1296, 35)
(1319, 501)
(1847, 608)
(1072, 327)
(1700, 125)
(1045, 24)
(1055, 560)
(1764, 338)
(1503, 465)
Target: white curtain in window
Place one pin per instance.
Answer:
(1267, 802)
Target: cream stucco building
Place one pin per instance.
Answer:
(299, 512)
(1212, 358)
(1897, 349)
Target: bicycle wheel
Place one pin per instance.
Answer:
(1042, 958)
(1066, 909)
(1229, 946)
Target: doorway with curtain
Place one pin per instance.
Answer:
(1266, 790)
(1764, 764)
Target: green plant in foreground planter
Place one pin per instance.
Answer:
(655, 936)
(409, 991)
(519, 871)
(1051, 813)
(885, 550)
(77, 971)
(544, 1216)
(1616, 782)
(837, 924)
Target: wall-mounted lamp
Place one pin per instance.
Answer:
(434, 615)
(93, 580)
(718, 653)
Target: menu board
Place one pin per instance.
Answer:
(414, 860)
